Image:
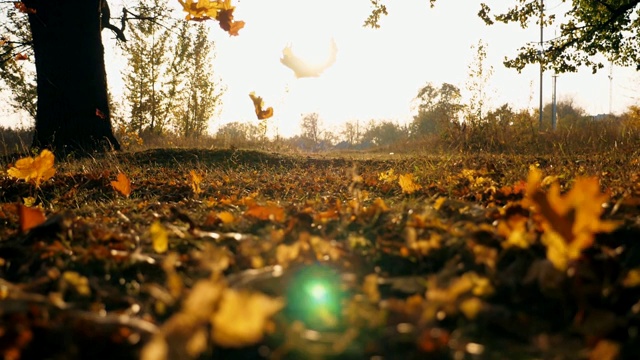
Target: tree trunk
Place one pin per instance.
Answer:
(73, 108)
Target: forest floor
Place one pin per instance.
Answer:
(239, 254)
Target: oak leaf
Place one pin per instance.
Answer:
(258, 104)
(122, 184)
(569, 221)
(36, 169)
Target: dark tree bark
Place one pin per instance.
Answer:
(73, 107)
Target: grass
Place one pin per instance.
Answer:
(420, 275)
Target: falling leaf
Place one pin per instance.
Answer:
(569, 221)
(242, 318)
(407, 184)
(268, 212)
(195, 182)
(258, 104)
(30, 217)
(100, 114)
(225, 19)
(302, 68)
(21, 57)
(221, 10)
(122, 184)
(23, 8)
(36, 169)
(159, 237)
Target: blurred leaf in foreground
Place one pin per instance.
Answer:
(569, 221)
(243, 317)
(30, 217)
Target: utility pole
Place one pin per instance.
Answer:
(610, 86)
(554, 108)
(541, 56)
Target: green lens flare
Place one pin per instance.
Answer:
(315, 297)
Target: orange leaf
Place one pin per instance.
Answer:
(225, 18)
(21, 56)
(23, 8)
(269, 212)
(100, 114)
(122, 185)
(569, 221)
(30, 217)
(407, 184)
(259, 105)
(36, 169)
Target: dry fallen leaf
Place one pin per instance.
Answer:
(569, 221)
(242, 317)
(407, 184)
(30, 217)
(122, 185)
(268, 212)
(36, 169)
(159, 237)
(196, 179)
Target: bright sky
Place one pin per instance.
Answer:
(378, 71)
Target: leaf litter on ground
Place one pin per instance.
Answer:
(260, 255)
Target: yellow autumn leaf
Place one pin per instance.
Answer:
(159, 237)
(388, 176)
(35, 170)
(471, 307)
(407, 184)
(196, 179)
(226, 217)
(242, 317)
(29, 201)
(632, 279)
(569, 221)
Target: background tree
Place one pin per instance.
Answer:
(73, 112)
(17, 74)
(587, 28)
(384, 133)
(438, 109)
(200, 96)
(351, 132)
(148, 53)
(477, 85)
(236, 133)
(310, 127)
